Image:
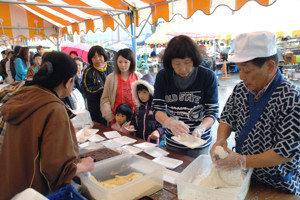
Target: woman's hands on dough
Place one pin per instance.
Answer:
(178, 128)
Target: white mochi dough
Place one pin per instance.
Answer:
(218, 178)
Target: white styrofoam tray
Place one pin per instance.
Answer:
(131, 149)
(145, 145)
(84, 134)
(156, 152)
(123, 140)
(170, 163)
(112, 134)
(192, 143)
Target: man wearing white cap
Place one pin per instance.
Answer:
(263, 111)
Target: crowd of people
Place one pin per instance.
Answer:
(38, 135)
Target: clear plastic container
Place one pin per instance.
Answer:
(188, 191)
(151, 182)
(82, 119)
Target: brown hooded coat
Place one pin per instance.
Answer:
(40, 146)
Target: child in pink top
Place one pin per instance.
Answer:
(122, 116)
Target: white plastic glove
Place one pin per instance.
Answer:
(232, 161)
(178, 128)
(198, 132)
(85, 165)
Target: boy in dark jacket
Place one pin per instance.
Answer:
(143, 119)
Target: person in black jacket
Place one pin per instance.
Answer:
(2, 64)
(12, 61)
(93, 81)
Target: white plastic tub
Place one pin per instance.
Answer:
(151, 182)
(189, 191)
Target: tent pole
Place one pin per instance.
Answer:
(131, 29)
(47, 37)
(133, 32)
(58, 32)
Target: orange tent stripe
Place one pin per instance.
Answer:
(240, 3)
(31, 18)
(153, 1)
(89, 26)
(193, 6)
(5, 15)
(264, 2)
(64, 30)
(50, 15)
(61, 10)
(161, 11)
(115, 4)
(127, 18)
(75, 28)
(108, 22)
(90, 12)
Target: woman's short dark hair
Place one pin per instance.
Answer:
(261, 61)
(57, 67)
(124, 109)
(100, 50)
(181, 47)
(127, 54)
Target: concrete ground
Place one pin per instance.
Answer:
(225, 88)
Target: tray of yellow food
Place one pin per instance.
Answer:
(117, 180)
(125, 177)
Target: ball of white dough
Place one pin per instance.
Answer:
(220, 152)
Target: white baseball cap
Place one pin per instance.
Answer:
(253, 45)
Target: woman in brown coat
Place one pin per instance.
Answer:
(40, 148)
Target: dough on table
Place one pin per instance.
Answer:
(117, 181)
